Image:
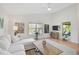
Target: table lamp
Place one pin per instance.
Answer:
(15, 28)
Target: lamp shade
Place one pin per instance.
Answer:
(49, 9)
(15, 28)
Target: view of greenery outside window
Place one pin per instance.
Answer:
(35, 27)
(66, 30)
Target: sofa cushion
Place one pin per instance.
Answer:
(4, 52)
(16, 47)
(15, 39)
(4, 43)
(6, 36)
(19, 53)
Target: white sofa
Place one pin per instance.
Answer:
(8, 48)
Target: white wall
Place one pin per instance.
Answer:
(78, 20)
(67, 14)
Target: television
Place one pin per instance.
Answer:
(55, 28)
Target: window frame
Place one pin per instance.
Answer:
(35, 28)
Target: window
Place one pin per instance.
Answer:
(33, 28)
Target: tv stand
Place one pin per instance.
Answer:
(54, 35)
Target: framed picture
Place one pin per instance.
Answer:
(1, 23)
(20, 27)
(46, 28)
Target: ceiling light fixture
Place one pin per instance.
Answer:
(49, 8)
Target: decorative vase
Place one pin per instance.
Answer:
(44, 43)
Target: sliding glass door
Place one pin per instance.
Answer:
(66, 30)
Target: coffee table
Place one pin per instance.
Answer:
(48, 49)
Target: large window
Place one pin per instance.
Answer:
(35, 27)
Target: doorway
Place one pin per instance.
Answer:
(66, 30)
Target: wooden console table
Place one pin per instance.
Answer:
(55, 35)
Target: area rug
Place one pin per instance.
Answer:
(53, 50)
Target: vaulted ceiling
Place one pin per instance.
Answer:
(32, 8)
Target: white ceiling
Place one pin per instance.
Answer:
(32, 8)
